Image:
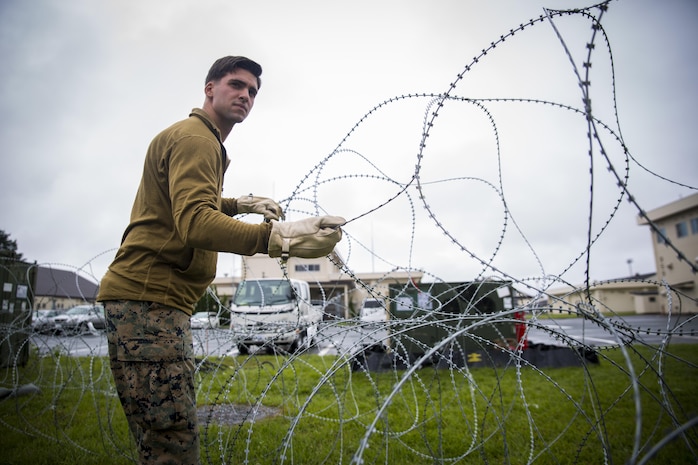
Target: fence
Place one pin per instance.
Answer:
(629, 399)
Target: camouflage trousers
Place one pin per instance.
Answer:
(152, 361)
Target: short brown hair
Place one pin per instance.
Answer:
(225, 65)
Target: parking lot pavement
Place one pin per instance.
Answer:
(337, 339)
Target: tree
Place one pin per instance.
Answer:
(8, 247)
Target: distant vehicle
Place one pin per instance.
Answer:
(205, 320)
(274, 313)
(332, 309)
(373, 311)
(42, 321)
(81, 319)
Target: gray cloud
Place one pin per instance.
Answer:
(86, 86)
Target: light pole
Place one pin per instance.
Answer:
(630, 265)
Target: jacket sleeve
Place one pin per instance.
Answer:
(195, 183)
(229, 206)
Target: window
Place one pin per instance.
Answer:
(308, 267)
(681, 229)
(661, 235)
(694, 225)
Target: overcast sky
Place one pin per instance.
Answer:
(87, 84)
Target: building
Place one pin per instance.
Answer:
(636, 294)
(329, 285)
(62, 289)
(675, 227)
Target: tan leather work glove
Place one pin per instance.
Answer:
(309, 238)
(261, 205)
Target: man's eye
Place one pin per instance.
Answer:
(241, 85)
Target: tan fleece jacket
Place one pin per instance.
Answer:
(179, 221)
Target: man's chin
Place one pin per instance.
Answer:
(238, 117)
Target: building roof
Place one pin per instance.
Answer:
(670, 209)
(54, 282)
(633, 284)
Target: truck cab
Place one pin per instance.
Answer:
(274, 313)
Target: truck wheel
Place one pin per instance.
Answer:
(299, 344)
(311, 335)
(243, 349)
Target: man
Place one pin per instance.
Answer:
(168, 255)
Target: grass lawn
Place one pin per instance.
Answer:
(320, 411)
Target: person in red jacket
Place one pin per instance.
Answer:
(167, 259)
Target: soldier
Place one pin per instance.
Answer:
(167, 259)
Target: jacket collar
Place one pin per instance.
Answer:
(203, 116)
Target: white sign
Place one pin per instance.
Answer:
(424, 301)
(22, 292)
(403, 304)
(503, 291)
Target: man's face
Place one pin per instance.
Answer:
(232, 97)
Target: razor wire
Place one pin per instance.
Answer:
(440, 404)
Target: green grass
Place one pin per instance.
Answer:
(326, 412)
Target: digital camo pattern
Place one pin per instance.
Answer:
(152, 360)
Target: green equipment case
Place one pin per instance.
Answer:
(456, 323)
(16, 304)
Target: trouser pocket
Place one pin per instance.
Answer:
(160, 388)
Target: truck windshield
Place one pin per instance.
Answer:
(261, 293)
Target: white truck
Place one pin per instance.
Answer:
(373, 311)
(274, 313)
